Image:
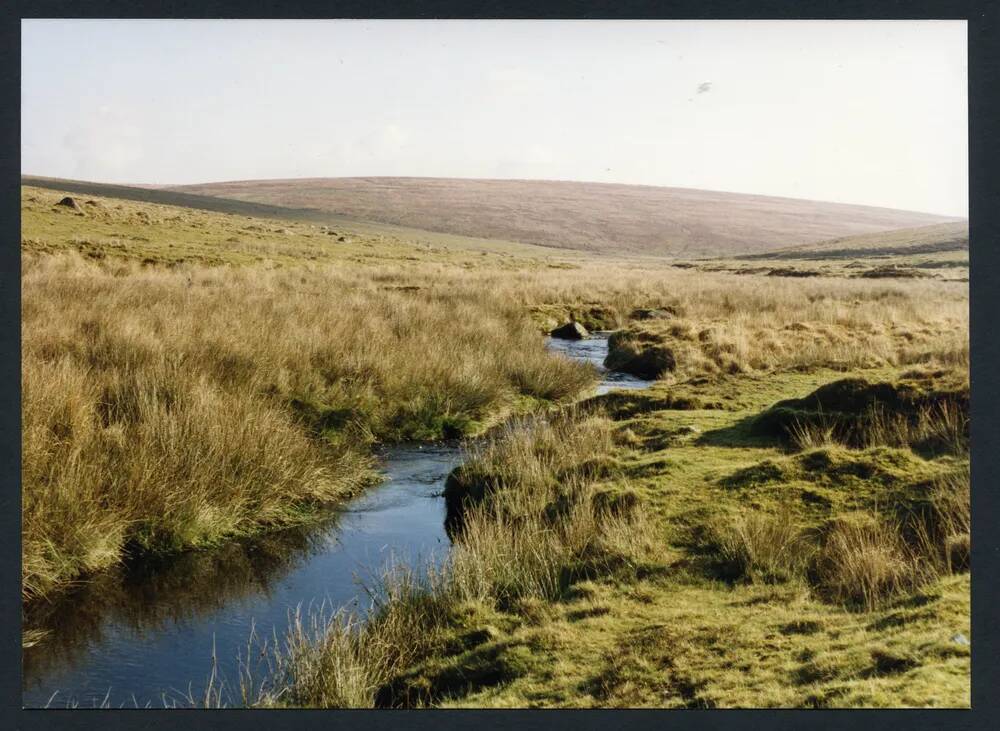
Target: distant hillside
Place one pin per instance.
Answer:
(164, 197)
(935, 239)
(160, 196)
(593, 217)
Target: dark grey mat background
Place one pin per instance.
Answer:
(984, 82)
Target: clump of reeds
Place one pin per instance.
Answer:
(864, 560)
(763, 547)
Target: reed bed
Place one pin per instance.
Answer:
(167, 408)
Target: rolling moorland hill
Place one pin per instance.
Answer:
(591, 217)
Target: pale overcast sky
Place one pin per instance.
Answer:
(871, 112)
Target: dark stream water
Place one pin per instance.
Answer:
(145, 635)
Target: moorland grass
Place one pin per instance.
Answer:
(190, 375)
(166, 408)
(796, 583)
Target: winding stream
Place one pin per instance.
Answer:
(144, 635)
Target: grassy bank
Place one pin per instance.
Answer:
(169, 408)
(728, 567)
(540, 526)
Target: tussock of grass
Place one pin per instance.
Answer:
(531, 460)
(762, 547)
(861, 558)
(863, 561)
(333, 660)
(941, 427)
(903, 531)
(867, 559)
(178, 467)
(926, 410)
(941, 529)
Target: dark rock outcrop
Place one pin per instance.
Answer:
(570, 331)
(70, 202)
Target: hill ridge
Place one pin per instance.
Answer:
(592, 217)
(558, 181)
(597, 218)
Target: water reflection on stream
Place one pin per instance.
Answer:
(144, 634)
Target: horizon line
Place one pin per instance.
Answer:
(161, 186)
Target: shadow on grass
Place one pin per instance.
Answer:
(740, 435)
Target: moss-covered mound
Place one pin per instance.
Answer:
(824, 478)
(849, 408)
(626, 404)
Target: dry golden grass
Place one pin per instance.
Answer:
(730, 324)
(110, 461)
(159, 402)
(170, 407)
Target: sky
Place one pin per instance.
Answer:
(871, 112)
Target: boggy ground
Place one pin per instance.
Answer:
(674, 549)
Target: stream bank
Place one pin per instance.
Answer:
(144, 635)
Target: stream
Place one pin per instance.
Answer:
(144, 635)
